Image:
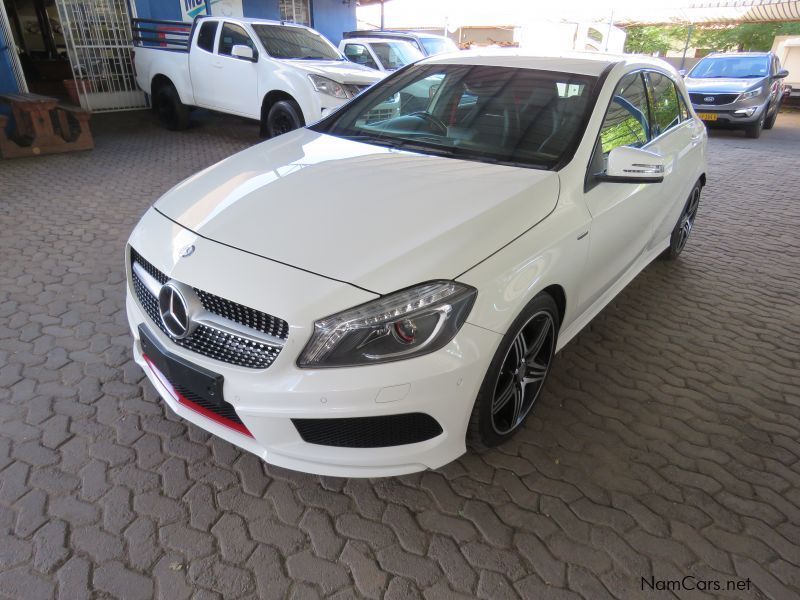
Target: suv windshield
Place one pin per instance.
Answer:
(437, 45)
(287, 41)
(394, 55)
(522, 117)
(733, 67)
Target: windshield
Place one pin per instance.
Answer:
(437, 45)
(733, 67)
(493, 114)
(394, 55)
(286, 41)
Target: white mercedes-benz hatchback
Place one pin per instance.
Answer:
(369, 296)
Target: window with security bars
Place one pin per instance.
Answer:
(296, 11)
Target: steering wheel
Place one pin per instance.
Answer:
(435, 121)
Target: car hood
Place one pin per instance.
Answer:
(378, 218)
(341, 71)
(722, 85)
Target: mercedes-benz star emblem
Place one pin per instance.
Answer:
(187, 251)
(174, 310)
(708, 99)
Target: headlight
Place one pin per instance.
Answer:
(405, 324)
(751, 93)
(328, 86)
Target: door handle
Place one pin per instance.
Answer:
(217, 64)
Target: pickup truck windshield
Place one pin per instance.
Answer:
(522, 117)
(286, 41)
(736, 67)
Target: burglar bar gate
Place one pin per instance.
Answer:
(8, 50)
(98, 38)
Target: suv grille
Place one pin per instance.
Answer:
(369, 432)
(213, 343)
(718, 99)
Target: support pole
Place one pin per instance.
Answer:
(382, 15)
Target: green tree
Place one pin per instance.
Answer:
(744, 37)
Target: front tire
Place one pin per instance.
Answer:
(770, 122)
(516, 375)
(283, 116)
(754, 130)
(173, 114)
(680, 235)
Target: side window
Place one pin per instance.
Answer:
(627, 122)
(360, 55)
(663, 103)
(206, 35)
(233, 35)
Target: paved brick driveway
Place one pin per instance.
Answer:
(667, 444)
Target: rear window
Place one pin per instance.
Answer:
(206, 35)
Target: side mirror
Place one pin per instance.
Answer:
(633, 165)
(243, 52)
(682, 72)
(781, 74)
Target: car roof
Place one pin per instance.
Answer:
(373, 40)
(374, 33)
(735, 54)
(580, 63)
(254, 21)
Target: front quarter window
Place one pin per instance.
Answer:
(518, 116)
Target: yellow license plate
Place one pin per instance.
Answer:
(708, 116)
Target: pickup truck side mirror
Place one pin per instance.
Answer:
(781, 74)
(633, 165)
(243, 52)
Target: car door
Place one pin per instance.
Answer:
(677, 136)
(201, 63)
(236, 85)
(622, 213)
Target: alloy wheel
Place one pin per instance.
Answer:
(523, 372)
(687, 219)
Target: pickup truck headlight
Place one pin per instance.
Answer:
(328, 86)
(751, 93)
(405, 324)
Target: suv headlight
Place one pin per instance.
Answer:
(328, 86)
(751, 93)
(405, 324)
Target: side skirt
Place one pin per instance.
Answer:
(590, 313)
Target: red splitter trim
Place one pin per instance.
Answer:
(181, 399)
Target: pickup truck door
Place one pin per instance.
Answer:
(201, 63)
(235, 80)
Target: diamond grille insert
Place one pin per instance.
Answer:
(210, 342)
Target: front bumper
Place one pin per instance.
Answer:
(734, 114)
(443, 384)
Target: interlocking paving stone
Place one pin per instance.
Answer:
(667, 441)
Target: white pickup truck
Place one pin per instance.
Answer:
(281, 74)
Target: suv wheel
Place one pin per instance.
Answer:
(770, 122)
(754, 130)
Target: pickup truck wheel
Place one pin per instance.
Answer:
(172, 113)
(284, 116)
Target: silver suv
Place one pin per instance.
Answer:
(740, 90)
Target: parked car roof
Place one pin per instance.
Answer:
(582, 63)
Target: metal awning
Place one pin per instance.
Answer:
(722, 12)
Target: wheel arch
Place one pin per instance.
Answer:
(273, 96)
(557, 293)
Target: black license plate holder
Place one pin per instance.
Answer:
(190, 380)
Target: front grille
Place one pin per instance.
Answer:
(210, 342)
(369, 432)
(718, 99)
